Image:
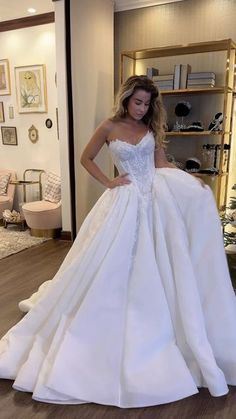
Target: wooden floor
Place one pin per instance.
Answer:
(20, 275)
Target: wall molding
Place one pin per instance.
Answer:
(122, 5)
(26, 22)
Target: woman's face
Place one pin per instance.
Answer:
(138, 104)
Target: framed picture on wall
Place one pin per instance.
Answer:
(31, 89)
(9, 135)
(2, 119)
(5, 84)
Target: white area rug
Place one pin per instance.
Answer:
(13, 241)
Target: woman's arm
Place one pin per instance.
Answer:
(160, 158)
(161, 161)
(90, 152)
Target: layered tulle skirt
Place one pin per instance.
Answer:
(142, 310)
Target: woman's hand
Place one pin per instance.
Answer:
(199, 179)
(120, 180)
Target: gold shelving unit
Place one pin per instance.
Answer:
(227, 90)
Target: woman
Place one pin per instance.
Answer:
(142, 311)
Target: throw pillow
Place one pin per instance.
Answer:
(52, 191)
(4, 180)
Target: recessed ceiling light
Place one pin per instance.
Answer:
(31, 10)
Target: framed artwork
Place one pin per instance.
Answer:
(9, 136)
(5, 84)
(31, 89)
(2, 119)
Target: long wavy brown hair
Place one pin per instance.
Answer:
(155, 118)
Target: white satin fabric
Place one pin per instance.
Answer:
(142, 311)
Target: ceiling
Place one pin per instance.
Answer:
(14, 9)
(137, 4)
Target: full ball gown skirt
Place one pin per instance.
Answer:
(142, 310)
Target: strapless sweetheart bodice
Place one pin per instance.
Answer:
(136, 160)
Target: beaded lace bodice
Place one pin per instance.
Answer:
(136, 160)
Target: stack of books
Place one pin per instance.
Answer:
(164, 81)
(201, 80)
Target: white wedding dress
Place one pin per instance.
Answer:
(142, 311)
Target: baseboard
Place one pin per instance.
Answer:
(65, 235)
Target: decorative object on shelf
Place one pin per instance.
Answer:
(192, 165)
(9, 135)
(182, 109)
(33, 134)
(210, 154)
(194, 126)
(48, 123)
(2, 118)
(5, 84)
(151, 71)
(31, 88)
(171, 159)
(215, 124)
(11, 112)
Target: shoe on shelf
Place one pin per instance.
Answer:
(195, 126)
(216, 122)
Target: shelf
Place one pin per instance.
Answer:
(226, 92)
(194, 133)
(194, 48)
(197, 174)
(190, 92)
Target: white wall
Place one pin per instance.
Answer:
(27, 46)
(92, 76)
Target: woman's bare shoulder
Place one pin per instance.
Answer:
(107, 125)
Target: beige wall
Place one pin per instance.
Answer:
(178, 24)
(175, 23)
(92, 76)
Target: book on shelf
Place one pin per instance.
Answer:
(202, 75)
(177, 76)
(185, 69)
(151, 71)
(201, 81)
(199, 86)
(164, 82)
(164, 86)
(181, 72)
(163, 77)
